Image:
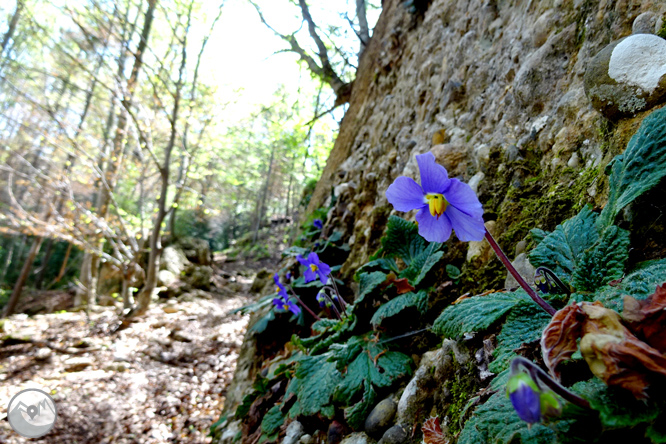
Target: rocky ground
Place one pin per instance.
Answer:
(161, 380)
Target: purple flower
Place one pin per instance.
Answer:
(318, 224)
(444, 204)
(525, 397)
(280, 290)
(288, 276)
(314, 268)
(321, 298)
(283, 304)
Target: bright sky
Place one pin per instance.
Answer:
(241, 54)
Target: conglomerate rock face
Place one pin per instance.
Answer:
(495, 89)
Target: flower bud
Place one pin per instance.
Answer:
(525, 397)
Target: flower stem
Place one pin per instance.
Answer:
(537, 374)
(303, 305)
(328, 287)
(507, 263)
(343, 303)
(335, 309)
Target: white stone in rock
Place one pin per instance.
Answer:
(357, 438)
(294, 433)
(639, 60)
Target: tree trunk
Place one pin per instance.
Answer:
(89, 267)
(23, 277)
(12, 26)
(261, 204)
(45, 265)
(8, 259)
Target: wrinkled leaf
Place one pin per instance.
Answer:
(616, 356)
(476, 313)
(432, 431)
(496, 422)
(356, 414)
(603, 262)
(647, 318)
(314, 384)
(368, 282)
(617, 409)
(560, 250)
(523, 324)
(559, 339)
(639, 283)
(422, 264)
(272, 420)
(401, 240)
(398, 304)
(639, 168)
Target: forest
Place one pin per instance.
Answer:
(353, 222)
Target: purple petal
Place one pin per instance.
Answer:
(293, 308)
(467, 228)
(302, 260)
(279, 303)
(526, 403)
(461, 196)
(431, 228)
(313, 258)
(276, 279)
(309, 275)
(405, 194)
(434, 177)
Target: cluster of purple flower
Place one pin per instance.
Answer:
(282, 302)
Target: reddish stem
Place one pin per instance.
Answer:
(303, 305)
(509, 266)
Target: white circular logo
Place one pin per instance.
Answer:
(32, 413)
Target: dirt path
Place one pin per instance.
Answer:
(162, 380)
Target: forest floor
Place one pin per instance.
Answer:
(161, 380)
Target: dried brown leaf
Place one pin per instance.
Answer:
(615, 355)
(558, 340)
(432, 431)
(647, 318)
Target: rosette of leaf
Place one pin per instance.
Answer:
(400, 244)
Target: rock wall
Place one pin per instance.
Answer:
(526, 101)
(496, 90)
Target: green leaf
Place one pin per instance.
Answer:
(560, 249)
(496, 422)
(295, 251)
(476, 313)
(272, 421)
(357, 413)
(345, 353)
(603, 262)
(313, 384)
(641, 282)
(422, 264)
(617, 408)
(402, 239)
(389, 367)
(385, 264)
(639, 168)
(398, 304)
(656, 432)
(324, 325)
(367, 283)
(262, 324)
(525, 323)
(452, 271)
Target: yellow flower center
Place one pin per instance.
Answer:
(313, 267)
(277, 289)
(437, 204)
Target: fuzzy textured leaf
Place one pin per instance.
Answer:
(617, 408)
(639, 168)
(604, 261)
(402, 240)
(639, 283)
(368, 282)
(398, 304)
(496, 422)
(476, 313)
(561, 249)
(375, 365)
(422, 264)
(314, 384)
(523, 324)
(356, 414)
(272, 420)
